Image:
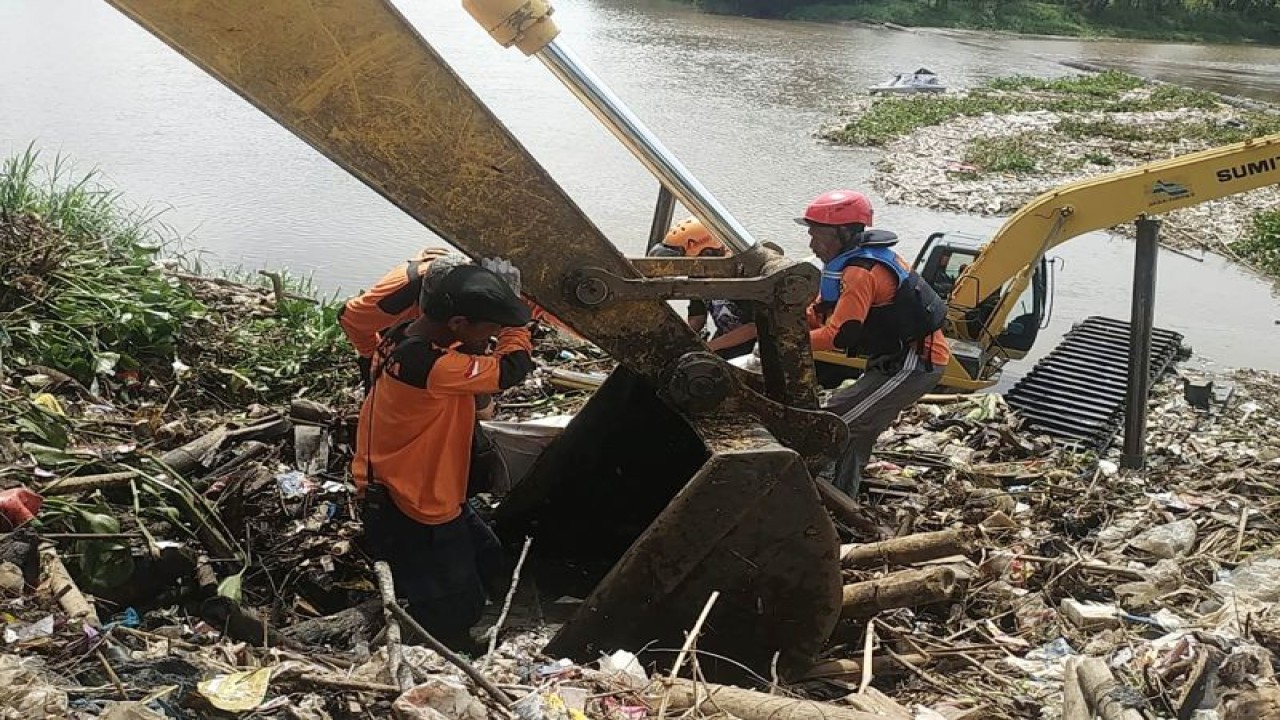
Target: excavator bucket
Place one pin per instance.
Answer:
(633, 510)
(649, 514)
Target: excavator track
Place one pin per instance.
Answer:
(1076, 393)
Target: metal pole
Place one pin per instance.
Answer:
(662, 213)
(1140, 325)
(645, 145)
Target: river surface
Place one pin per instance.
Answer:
(738, 100)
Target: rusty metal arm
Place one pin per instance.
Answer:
(355, 81)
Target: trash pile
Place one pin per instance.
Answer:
(929, 168)
(1013, 573)
(994, 148)
(203, 564)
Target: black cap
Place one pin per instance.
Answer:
(478, 294)
(664, 250)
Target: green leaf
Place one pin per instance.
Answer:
(104, 564)
(45, 426)
(46, 456)
(105, 363)
(231, 586)
(98, 522)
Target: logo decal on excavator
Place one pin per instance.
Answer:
(1163, 191)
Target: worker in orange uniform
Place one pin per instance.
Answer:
(871, 303)
(414, 443)
(395, 298)
(735, 330)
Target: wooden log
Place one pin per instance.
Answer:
(400, 672)
(57, 581)
(242, 624)
(1074, 706)
(843, 669)
(908, 588)
(1099, 687)
(837, 503)
(311, 411)
(908, 549)
(183, 460)
(86, 483)
(272, 427)
(244, 454)
(751, 705)
(341, 630)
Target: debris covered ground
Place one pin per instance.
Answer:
(182, 538)
(991, 150)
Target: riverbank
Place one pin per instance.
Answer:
(992, 149)
(183, 540)
(1173, 23)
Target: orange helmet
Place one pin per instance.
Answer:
(690, 239)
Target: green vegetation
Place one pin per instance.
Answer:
(82, 293)
(1261, 247)
(892, 117)
(1178, 20)
(1019, 154)
(1099, 159)
(1207, 131)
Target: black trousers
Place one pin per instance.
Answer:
(446, 571)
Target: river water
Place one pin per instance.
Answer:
(738, 100)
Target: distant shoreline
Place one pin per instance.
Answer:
(1042, 19)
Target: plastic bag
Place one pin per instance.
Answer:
(19, 506)
(438, 698)
(1167, 541)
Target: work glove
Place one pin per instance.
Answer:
(505, 270)
(847, 337)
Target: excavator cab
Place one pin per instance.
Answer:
(944, 259)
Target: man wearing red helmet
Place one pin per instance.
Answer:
(871, 303)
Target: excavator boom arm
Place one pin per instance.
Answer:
(1102, 202)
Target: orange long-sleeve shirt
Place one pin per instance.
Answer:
(416, 423)
(394, 298)
(860, 290)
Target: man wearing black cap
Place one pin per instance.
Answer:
(413, 448)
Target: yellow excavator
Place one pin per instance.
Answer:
(998, 292)
(684, 475)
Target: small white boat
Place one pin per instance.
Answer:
(920, 81)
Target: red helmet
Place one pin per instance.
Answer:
(838, 207)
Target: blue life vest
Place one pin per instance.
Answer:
(833, 271)
(914, 314)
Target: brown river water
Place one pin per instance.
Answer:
(738, 100)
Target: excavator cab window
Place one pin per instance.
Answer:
(942, 261)
(1027, 318)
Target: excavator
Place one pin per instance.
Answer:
(998, 292)
(686, 486)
